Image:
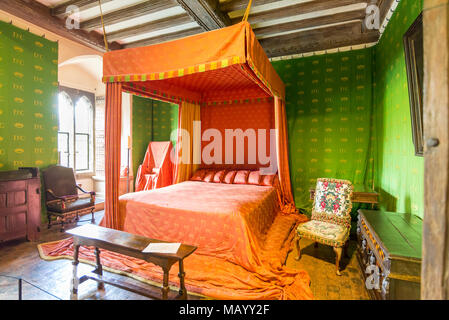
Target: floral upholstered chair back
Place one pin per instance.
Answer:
(332, 201)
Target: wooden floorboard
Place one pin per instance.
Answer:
(21, 258)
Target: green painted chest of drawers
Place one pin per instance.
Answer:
(389, 253)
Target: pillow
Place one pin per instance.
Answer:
(241, 177)
(254, 177)
(219, 176)
(229, 177)
(199, 175)
(267, 180)
(209, 176)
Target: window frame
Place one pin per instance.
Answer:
(75, 95)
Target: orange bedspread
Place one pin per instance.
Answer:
(242, 240)
(229, 222)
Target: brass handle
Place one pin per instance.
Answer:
(433, 142)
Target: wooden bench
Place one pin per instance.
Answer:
(130, 245)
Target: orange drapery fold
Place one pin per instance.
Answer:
(113, 131)
(286, 197)
(189, 141)
(156, 170)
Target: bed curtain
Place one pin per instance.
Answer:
(287, 201)
(189, 141)
(113, 129)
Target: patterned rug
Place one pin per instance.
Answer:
(209, 276)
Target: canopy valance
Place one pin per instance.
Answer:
(223, 66)
(164, 68)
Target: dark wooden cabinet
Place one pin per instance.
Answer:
(20, 204)
(389, 253)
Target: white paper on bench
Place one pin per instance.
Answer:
(162, 248)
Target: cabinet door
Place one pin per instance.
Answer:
(13, 210)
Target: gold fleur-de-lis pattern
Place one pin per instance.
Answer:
(329, 106)
(399, 173)
(152, 120)
(28, 99)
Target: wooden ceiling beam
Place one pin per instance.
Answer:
(61, 9)
(206, 13)
(125, 14)
(309, 23)
(384, 7)
(39, 15)
(164, 38)
(150, 27)
(319, 39)
(297, 9)
(233, 5)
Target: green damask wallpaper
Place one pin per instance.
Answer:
(28, 99)
(152, 120)
(399, 173)
(349, 117)
(329, 113)
(141, 129)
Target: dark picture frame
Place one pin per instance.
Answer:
(414, 60)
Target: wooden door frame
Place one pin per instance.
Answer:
(435, 263)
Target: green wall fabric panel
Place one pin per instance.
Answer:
(152, 120)
(28, 99)
(165, 119)
(400, 174)
(329, 113)
(141, 129)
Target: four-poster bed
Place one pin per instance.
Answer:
(230, 224)
(226, 65)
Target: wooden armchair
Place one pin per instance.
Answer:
(63, 203)
(331, 217)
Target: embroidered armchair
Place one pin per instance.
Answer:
(64, 205)
(331, 217)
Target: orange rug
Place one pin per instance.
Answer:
(210, 276)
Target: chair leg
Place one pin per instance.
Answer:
(49, 221)
(298, 248)
(93, 216)
(345, 249)
(338, 251)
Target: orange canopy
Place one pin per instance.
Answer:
(223, 66)
(177, 61)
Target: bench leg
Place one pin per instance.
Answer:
(75, 280)
(165, 287)
(182, 286)
(99, 268)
